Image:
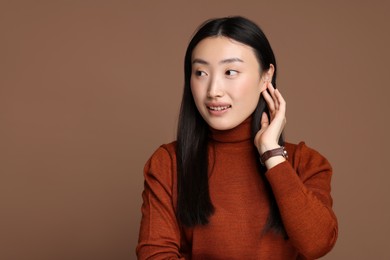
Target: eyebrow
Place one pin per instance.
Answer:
(230, 60)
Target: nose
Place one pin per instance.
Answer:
(215, 88)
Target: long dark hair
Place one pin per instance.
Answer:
(194, 205)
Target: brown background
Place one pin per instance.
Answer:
(89, 89)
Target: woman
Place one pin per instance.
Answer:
(230, 187)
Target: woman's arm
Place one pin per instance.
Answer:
(302, 191)
(159, 236)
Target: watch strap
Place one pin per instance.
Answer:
(281, 151)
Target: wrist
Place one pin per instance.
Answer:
(267, 147)
(279, 152)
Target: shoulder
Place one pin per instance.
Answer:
(302, 157)
(163, 156)
(302, 150)
(161, 166)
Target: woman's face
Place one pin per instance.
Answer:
(225, 81)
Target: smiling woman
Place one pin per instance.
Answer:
(208, 195)
(228, 80)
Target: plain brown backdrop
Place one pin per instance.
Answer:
(89, 89)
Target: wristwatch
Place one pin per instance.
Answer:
(271, 153)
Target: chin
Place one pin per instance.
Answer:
(222, 125)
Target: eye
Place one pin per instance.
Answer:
(231, 72)
(200, 73)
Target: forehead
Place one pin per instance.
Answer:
(220, 47)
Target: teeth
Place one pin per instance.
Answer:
(219, 108)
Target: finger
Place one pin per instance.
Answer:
(272, 90)
(281, 114)
(264, 121)
(280, 100)
(269, 100)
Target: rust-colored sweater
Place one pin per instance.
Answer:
(301, 187)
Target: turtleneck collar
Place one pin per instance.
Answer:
(240, 133)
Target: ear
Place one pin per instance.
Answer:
(266, 77)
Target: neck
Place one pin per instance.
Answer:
(240, 133)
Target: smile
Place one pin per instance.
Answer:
(219, 108)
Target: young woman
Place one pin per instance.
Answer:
(230, 187)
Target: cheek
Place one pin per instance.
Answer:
(249, 90)
(193, 91)
(192, 87)
(196, 89)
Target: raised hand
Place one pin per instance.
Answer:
(268, 136)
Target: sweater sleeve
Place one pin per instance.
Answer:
(302, 190)
(159, 236)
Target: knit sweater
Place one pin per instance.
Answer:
(301, 186)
